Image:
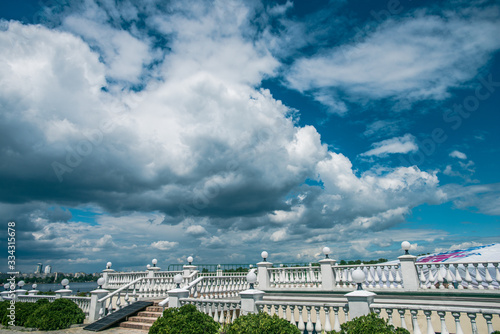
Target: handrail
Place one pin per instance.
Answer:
(121, 289)
(446, 308)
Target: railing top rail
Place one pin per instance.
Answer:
(437, 308)
(459, 262)
(211, 300)
(288, 303)
(365, 265)
(295, 268)
(77, 297)
(122, 288)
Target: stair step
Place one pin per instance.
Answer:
(135, 325)
(149, 314)
(149, 320)
(154, 309)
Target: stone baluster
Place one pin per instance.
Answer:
(301, 326)
(216, 311)
(430, 329)
(472, 317)
(209, 311)
(338, 277)
(317, 326)
(283, 311)
(276, 310)
(336, 322)
(402, 316)
(110, 305)
(389, 316)
(449, 278)
(468, 278)
(479, 279)
(458, 277)
(440, 278)
(376, 277)
(384, 277)
(391, 277)
(398, 278)
(118, 301)
(346, 312)
(444, 330)
(369, 277)
(309, 326)
(235, 306)
(328, 325)
(489, 325)
(487, 277)
(423, 279)
(414, 322)
(432, 279)
(497, 274)
(458, 327)
(292, 315)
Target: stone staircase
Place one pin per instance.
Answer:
(144, 319)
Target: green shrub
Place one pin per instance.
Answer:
(260, 323)
(186, 320)
(59, 314)
(369, 324)
(23, 312)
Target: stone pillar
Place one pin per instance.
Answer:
(105, 273)
(63, 293)
(409, 272)
(174, 296)
(95, 306)
(33, 292)
(359, 302)
(188, 270)
(263, 275)
(152, 271)
(327, 274)
(20, 292)
(248, 299)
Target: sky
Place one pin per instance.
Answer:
(133, 130)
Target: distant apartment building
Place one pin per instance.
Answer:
(39, 268)
(48, 269)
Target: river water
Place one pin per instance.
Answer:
(76, 287)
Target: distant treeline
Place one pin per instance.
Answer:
(52, 279)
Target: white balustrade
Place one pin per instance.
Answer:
(440, 314)
(217, 286)
(459, 275)
(295, 277)
(378, 276)
(223, 311)
(307, 316)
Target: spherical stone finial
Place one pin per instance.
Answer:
(34, 286)
(108, 265)
(406, 246)
(6, 286)
(65, 282)
(20, 284)
(154, 262)
(251, 279)
(148, 266)
(264, 255)
(327, 251)
(190, 259)
(101, 281)
(358, 276)
(178, 280)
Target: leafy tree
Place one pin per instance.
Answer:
(369, 324)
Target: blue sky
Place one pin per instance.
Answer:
(144, 129)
